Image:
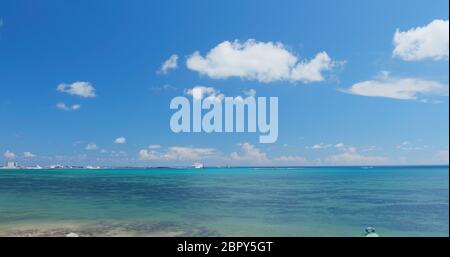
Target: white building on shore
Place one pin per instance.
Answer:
(10, 165)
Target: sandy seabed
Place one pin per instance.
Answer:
(104, 229)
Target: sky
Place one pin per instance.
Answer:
(90, 82)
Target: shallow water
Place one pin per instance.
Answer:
(336, 201)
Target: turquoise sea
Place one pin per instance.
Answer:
(325, 201)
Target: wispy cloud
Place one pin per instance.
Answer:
(169, 64)
(351, 157)
(164, 87)
(91, 146)
(442, 156)
(291, 159)
(339, 145)
(64, 107)
(409, 146)
(249, 92)
(319, 146)
(181, 153)
(398, 88)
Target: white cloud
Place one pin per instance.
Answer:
(76, 107)
(28, 155)
(352, 157)
(64, 107)
(425, 100)
(80, 88)
(408, 146)
(430, 41)
(442, 155)
(319, 146)
(339, 145)
(146, 154)
(91, 146)
(249, 153)
(204, 92)
(154, 146)
(177, 153)
(371, 148)
(261, 61)
(188, 153)
(398, 88)
(169, 64)
(9, 155)
(120, 140)
(250, 92)
(291, 159)
(311, 71)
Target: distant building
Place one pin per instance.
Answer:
(198, 165)
(12, 165)
(56, 166)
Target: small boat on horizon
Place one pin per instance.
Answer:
(198, 165)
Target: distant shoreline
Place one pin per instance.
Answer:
(231, 167)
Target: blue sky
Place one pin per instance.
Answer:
(378, 94)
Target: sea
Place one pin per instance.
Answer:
(246, 201)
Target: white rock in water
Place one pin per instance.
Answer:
(71, 234)
(372, 235)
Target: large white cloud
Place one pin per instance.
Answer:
(261, 61)
(169, 64)
(398, 88)
(80, 88)
(430, 41)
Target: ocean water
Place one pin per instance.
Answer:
(332, 201)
